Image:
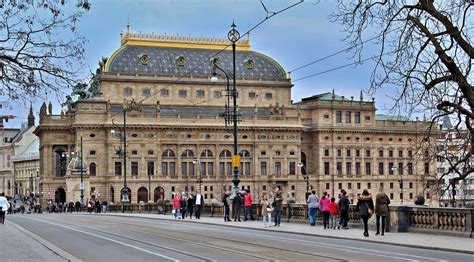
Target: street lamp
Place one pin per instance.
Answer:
(82, 177)
(126, 106)
(199, 180)
(233, 35)
(394, 169)
(306, 177)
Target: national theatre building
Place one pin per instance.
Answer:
(175, 132)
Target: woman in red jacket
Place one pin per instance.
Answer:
(176, 205)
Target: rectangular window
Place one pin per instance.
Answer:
(326, 168)
(427, 168)
(410, 168)
(400, 153)
(339, 152)
(357, 168)
(348, 152)
(172, 168)
(134, 168)
(380, 153)
(222, 168)
(381, 169)
(391, 185)
(381, 185)
(349, 185)
(338, 117)
(327, 186)
(357, 153)
(228, 168)
(400, 169)
(411, 195)
(390, 168)
(165, 92)
(200, 93)
(410, 185)
(127, 91)
(269, 96)
(369, 186)
(358, 185)
(348, 117)
(391, 195)
(348, 168)
(263, 168)
(217, 94)
(367, 153)
(146, 92)
(252, 95)
(339, 168)
(390, 153)
(410, 153)
(247, 168)
(210, 168)
(184, 169)
(118, 168)
(367, 169)
(339, 186)
(292, 168)
(164, 168)
(357, 117)
(150, 167)
(278, 168)
(182, 93)
(326, 152)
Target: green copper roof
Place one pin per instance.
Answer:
(324, 96)
(382, 117)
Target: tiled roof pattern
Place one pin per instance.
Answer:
(162, 61)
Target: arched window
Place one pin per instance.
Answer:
(225, 163)
(60, 162)
(187, 166)
(168, 163)
(168, 153)
(112, 194)
(207, 153)
(92, 169)
(158, 194)
(207, 163)
(142, 195)
(187, 154)
(245, 163)
(303, 161)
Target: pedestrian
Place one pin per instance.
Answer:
(313, 205)
(324, 207)
(343, 210)
(225, 201)
(248, 205)
(278, 206)
(4, 206)
(237, 202)
(381, 209)
(90, 205)
(266, 210)
(104, 206)
(98, 206)
(190, 206)
(182, 204)
(71, 207)
(333, 211)
(176, 205)
(78, 206)
(198, 204)
(365, 207)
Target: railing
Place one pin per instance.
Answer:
(445, 221)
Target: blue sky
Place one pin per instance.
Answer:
(293, 38)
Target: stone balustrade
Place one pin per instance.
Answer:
(443, 221)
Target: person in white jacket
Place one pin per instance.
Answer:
(4, 207)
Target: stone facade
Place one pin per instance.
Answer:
(280, 142)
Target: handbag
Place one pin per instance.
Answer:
(369, 211)
(173, 211)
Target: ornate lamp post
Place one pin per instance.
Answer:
(126, 106)
(395, 169)
(306, 178)
(196, 162)
(233, 35)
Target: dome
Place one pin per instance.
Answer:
(187, 56)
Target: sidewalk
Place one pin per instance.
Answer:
(416, 240)
(18, 245)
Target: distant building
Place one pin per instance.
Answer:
(452, 144)
(26, 159)
(7, 135)
(179, 135)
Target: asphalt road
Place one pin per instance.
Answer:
(110, 238)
